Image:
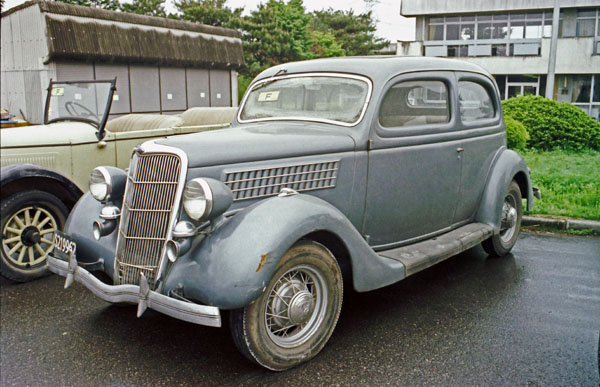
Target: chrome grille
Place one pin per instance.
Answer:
(148, 208)
(257, 183)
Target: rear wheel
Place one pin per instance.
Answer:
(29, 221)
(510, 223)
(296, 314)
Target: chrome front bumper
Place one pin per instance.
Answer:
(141, 295)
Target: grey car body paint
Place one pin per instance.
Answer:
(230, 267)
(228, 270)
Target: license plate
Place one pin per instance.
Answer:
(64, 245)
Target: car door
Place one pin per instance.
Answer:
(482, 131)
(87, 152)
(414, 160)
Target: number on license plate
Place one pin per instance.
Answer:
(64, 246)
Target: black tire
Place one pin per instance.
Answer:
(309, 277)
(29, 219)
(510, 223)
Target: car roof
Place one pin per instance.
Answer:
(378, 68)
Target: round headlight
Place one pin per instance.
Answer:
(100, 184)
(197, 199)
(206, 198)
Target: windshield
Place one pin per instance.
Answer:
(86, 101)
(339, 99)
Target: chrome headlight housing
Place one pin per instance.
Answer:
(100, 184)
(205, 199)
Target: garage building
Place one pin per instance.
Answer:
(162, 65)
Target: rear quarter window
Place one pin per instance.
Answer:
(475, 102)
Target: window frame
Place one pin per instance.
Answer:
(446, 77)
(489, 84)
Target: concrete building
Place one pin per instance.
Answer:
(539, 47)
(162, 65)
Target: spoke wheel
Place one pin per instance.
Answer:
(510, 223)
(29, 222)
(296, 306)
(295, 316)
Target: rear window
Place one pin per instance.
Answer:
(414, 103)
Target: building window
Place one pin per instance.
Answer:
(511, 86)
(582, 91)
(493, 31)
(582, 22)
(586, 22)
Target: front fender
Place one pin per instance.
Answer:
(79, 227)
(233, 265)
(508, 166)
(10, 175)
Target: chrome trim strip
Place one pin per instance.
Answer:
(186, 311)
(311, 119)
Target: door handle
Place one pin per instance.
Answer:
(460, 149)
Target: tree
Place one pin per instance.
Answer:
(355, 33)
(112, 5)
(324, 45)
(210, 12)
(277, 32)
(145, 7)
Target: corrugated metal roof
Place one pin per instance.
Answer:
(83, 33)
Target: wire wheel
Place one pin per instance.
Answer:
(296, 306)
(510, 223)
(295, 316)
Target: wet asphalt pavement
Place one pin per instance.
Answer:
(531, 318)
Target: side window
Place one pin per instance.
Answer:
(414, 103)
(474, 101)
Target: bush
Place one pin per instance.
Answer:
(516, 134)
(553, 125)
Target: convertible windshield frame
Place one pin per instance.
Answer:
(257, 85)
(98, 124)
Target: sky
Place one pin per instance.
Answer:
(390, 25)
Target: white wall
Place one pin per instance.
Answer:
(24, 76)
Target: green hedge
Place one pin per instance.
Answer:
(516, 134)
(553, 125)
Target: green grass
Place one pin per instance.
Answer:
(570, 182)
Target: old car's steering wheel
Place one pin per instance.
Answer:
(71, 108)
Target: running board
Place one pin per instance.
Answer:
(420, 256)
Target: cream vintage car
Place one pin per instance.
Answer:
(45, 168)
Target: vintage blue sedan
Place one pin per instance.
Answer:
(356, 171)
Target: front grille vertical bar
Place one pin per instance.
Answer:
(152, 200)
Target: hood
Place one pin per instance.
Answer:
(59, 133)
(262, 141)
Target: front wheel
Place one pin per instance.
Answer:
(296, 314)
(29, 221)
(510, 223)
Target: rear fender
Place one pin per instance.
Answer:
(508, 166)
(233, 265)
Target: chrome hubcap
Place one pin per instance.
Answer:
(296, 306)
(28, 237)
(301, 307)
(508, 224)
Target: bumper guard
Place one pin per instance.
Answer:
(140, 295)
